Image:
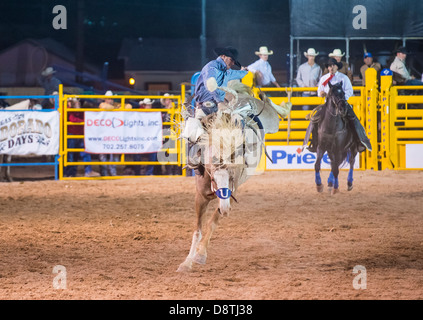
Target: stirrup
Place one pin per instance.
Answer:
(312, 148)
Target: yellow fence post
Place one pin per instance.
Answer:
(371, 121)
(385, 110)
(393, 146)
(181, 142)
(61, 135)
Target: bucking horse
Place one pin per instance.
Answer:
(229, 148)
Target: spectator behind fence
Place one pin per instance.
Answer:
(368, 63)
(337, 55)
(138, 169)
(148, 170)
(50, 83)
(167, 103)
(309, 74)
(105, 170)
(401, 75)
(50, 103)
(262, 70)
(71, 171)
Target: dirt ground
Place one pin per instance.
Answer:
(124, 239)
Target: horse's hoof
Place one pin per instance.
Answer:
(200, 258)
(330, 188)
(334, 191)
(319, 188)
(350, 188)
(183, 267)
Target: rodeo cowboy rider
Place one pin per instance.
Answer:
(207, 102)
(334, 77)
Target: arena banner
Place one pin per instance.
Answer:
(414, 156)
(29, 133)
(123, 132)
(291, 157)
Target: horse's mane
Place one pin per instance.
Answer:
(240, 87)
(223, 137)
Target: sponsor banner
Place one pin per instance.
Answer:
(123, 132)
(29, 133)
(291, 157)
(413, 156)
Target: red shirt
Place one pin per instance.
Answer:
(76, 117)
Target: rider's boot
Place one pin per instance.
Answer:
(360, 136)
(313, 142)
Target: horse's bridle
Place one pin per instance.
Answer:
(336, 102)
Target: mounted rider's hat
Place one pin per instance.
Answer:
(229, 52)
(332, 61)
(402, 50)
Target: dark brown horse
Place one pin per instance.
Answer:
(335, 136)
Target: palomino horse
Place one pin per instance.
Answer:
(230, 150)
(336, 137)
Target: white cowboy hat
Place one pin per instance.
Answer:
(336, 53)
(146, 101)
(264, 50)
(166, 96)
(48, 71)
(311, 52)
(108, 93)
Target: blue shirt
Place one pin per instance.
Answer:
(216, 69)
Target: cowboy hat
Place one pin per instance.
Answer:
(332, 61)
(402, 50)
(108, 93)
(229, 52)
(336, 53)
(48, 71)
(146, 101)
(167, 95)
(264, 50)
(311, 52)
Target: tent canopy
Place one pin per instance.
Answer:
(334, 18)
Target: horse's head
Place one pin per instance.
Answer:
(223, 155)
(336, 97)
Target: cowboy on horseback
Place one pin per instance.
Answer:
(220, 69)
(334, 77)
(206, 101)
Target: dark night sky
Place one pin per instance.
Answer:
(243, 24)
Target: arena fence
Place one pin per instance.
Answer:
(392, 117)
(168, 159)
(401, 126)
(285, 145)
(22, 124)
